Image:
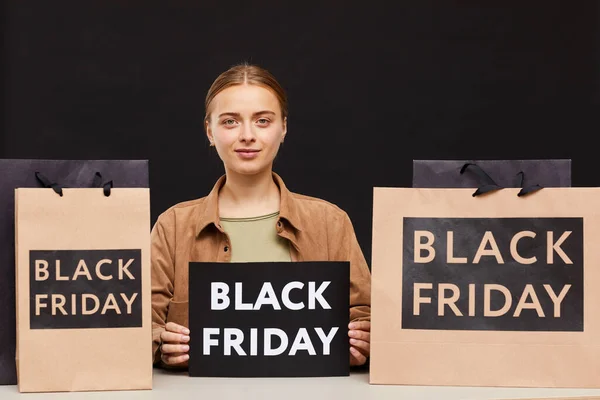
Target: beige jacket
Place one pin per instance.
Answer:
(190, 231)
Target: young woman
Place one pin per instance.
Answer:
(249, 215)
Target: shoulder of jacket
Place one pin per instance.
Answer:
(183, 208)
(315, 204)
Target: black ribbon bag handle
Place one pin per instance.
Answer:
(97, 183)
(107, 186)
(48, 184)
(526, 190)
(489, 184)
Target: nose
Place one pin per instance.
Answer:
(247, 133)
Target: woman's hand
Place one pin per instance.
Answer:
(360, 342)
(174, 348)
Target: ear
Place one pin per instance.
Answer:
(284, 131)
(209, 133)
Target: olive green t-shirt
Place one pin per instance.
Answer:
(255, 239)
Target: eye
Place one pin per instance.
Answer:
(263, 121)
(228, 122)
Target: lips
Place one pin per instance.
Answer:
(247, 153)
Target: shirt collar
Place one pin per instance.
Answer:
(288, 207)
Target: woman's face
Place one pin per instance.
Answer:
(246, 127)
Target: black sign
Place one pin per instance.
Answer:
(269, 319)
(504, 274)
(85, 289)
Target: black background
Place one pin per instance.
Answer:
(253, 275)
(372, 86)
(468, 234)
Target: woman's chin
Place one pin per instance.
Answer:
(249, 169)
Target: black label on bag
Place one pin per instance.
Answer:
(504, 274)
(85, 289)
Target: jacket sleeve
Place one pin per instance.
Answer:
(163, 267)
(360, 275)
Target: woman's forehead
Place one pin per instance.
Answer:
(245, 99)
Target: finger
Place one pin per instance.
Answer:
(353, 360)
(360, 326)
(360, 335)
(166, 356)
(173, 327)
(172, 360)
(170, 337)
(174, 348)
(356, 357)
(361, 345)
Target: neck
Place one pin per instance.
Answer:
(248, 195)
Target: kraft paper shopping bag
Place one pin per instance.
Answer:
(20, 173)
(83, 289)
(493, 290)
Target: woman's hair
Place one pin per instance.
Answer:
(246, 74)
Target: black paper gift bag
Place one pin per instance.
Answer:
(505, 173)
(31, 173)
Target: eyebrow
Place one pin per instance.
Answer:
(233, 114)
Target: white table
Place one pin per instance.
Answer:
(179, 386)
